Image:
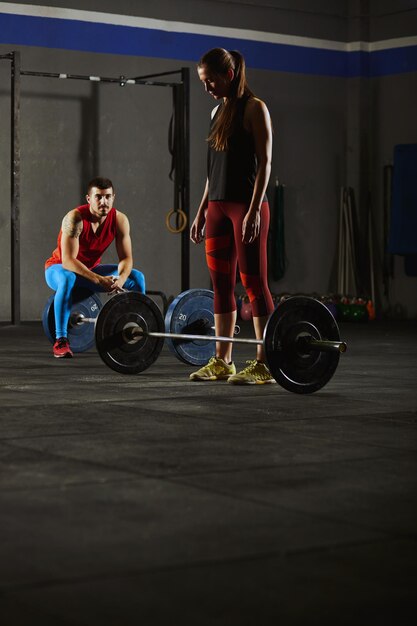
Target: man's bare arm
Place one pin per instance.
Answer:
(72, 224)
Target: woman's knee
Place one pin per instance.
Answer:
(224, 293)
(259, 295)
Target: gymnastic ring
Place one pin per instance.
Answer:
(182, 224)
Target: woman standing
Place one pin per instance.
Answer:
(234, 212)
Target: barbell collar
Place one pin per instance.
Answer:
(76, 320)
(323, 345)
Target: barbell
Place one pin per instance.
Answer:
(301, 339)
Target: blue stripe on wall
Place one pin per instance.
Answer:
(394, 61)
(358, 64)
(113, 39)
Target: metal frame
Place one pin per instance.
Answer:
(181, 91)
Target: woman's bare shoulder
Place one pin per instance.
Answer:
(256, 113)
(256, 105)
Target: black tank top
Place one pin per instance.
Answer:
(231, 173)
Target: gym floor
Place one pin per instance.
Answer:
(152, 500)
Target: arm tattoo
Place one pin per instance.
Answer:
(71, 226)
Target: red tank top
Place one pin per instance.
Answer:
(92, 244)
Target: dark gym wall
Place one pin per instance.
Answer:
(380, 115)
(393, 106)
(73, 130)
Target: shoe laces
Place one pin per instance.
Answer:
(256, 368)
(61, 342)
(215, 362)
(251, 366)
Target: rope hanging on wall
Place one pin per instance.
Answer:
(171, 139)
(176, 173)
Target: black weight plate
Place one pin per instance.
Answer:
(192, 312)
(294, 366)
(121, 311)
(81, 337)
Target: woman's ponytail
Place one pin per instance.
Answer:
(220, 61)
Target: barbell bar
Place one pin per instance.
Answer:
(136, 332)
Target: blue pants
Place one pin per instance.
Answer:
(63, 281)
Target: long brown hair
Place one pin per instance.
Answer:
(219, 61)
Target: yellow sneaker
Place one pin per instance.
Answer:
(216, 369)
(254, 374)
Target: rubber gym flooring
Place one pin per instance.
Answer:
(149, 499)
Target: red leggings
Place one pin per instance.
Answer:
(224, 249)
